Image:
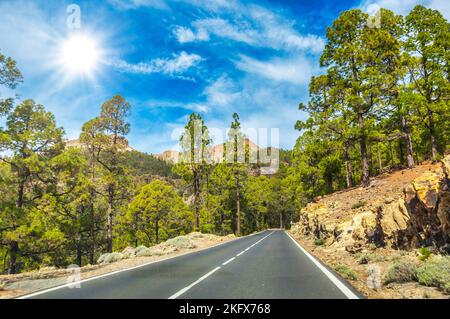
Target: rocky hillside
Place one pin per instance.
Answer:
(406, 209)
(400, 213)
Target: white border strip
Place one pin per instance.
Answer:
(344, 289)
(40, 292)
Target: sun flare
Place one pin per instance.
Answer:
(80, 54)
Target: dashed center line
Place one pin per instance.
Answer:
(182, 291)
(228, 261)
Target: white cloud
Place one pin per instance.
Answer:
(297, 70)
(136, 4)
(179, 63)
(253, 25)
(405, 6)
(196, 107)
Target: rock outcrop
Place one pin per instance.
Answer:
(416, 215)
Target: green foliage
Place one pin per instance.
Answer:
(424, 253)
(346, 272)
(366, 258)
(142, 164)
(319, 242)
(400, 271)
(156, 214)
(435, 272)
(359, 204)
(382, 101)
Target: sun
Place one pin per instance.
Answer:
(80, 54)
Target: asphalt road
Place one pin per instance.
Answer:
(267, 265)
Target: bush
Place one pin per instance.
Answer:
(128, 252)
(319, 242)
(346, 272)
(401, 271)
(109, 258)
(144, 252)
(424, 253)
(158, 250)
(359, 204)
(435, 272)
(369, 257)
(181, 242)
(139, 248)
(207, 228)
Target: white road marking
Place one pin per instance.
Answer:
(344, 289)
(121, 270)
(228, 261)
(182, 291)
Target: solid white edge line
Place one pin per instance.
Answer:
(240, 253)
(344, 289)
(228, 261)
(182, 291)
(40, 292)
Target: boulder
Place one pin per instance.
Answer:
(427, 188)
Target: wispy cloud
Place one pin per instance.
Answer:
(297, 70)
(179, 63)
(136, 4)
(253, 25)
(405, 6)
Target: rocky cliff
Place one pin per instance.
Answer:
(403, 210)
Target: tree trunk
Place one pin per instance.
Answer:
(364, 161)
(408, 142)
(14, 245)
(380, 165)
(281, 221)
(348, 167)
(157, 230)
(196, 210)
(109, 233)
(329, 181)
(13, 252)
(238, 207)
(92, 215)
(432, 129)
(79, 254)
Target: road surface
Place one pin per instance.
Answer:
(266, 265)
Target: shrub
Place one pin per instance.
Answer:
(319, 242)
(401, 271)
(139, 248)
(207, 228)
(181, 242)
(359, 204)
(109, 258)
(346, 272)
(424, 253)
(128, 252)
(366, 258)
(435, 272)
(144, 252)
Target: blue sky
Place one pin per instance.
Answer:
(169, 58)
